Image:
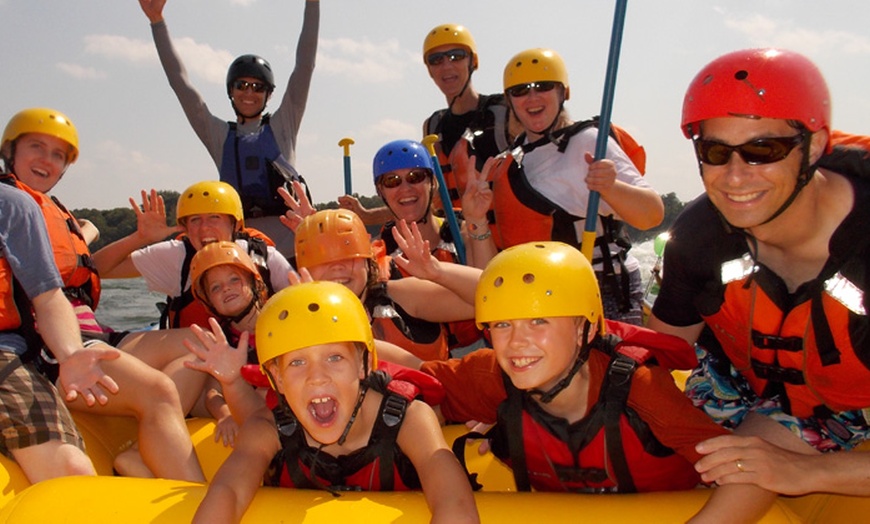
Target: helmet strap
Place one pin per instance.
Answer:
(362, 396)
(582, 356)
(464, 86)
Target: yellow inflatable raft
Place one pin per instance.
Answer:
(108, 499)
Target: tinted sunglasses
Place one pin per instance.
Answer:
(393, 180)
(524, 89)
(243, 85)
(755, 152)
(451, 54)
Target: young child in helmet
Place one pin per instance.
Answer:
(315, 344)
(411, 313)
(578, 404)
(541, 190)
(256, 153)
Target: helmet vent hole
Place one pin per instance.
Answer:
(741, 75)
(314, 307)
(283, 315)
(498, 282)
(528, 278)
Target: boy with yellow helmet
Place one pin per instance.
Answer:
(578, 402)
(541, 190)
(38, 146)
(316, 346)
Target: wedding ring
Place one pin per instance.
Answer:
(739, 466)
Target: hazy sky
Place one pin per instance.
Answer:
(95, 61)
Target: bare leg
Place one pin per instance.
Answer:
(51, 460)
(152, 398)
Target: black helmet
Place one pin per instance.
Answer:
(251, 66)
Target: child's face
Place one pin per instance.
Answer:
(349, 272)
(321, 384)
(536, 352)
(228, 289)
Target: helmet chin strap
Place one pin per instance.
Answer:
(465, 85)
(582, 356)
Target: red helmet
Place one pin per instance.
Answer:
(767, 83)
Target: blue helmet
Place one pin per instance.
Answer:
(401, 154)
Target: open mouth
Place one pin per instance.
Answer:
(323, 410)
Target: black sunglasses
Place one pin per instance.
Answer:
(524, 89)
(451, 54)
(755, 152)
(393, 180)
(243, 85)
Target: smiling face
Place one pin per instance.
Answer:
(408, 201)
(748, 195)
(536, 353)
(349, 272)
(40, 160)
(537, 110)
(321, 384)
(248, 102)
(450, 76)
(207, 228)
(228, 289)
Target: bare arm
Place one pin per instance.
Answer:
(447, 490)
(688, 333)
(236, 482)
(370, 217)
(80, 371)
(641, 207)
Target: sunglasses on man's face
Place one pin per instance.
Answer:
(452, 55)
(524, 89)
(393, 180)
(755, 152)
(243, 85)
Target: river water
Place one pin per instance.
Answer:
(128, 304)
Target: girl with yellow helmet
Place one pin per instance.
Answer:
(541, 190)
(316, 346)
(578, 403)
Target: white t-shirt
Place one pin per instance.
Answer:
(160, 266)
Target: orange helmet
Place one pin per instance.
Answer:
(331, 235)
(218, 254)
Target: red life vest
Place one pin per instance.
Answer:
(380, 466)
(10, 317)
(71, 252)
(611, 450)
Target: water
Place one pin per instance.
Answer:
(128, 304)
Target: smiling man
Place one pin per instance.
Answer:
(767, 272)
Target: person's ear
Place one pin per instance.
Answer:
(818, 145)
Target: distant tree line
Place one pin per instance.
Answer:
(120, 222)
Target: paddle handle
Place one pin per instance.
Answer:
(447, 204)
(589, 235)
(348, 184)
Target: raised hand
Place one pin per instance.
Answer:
(214, 355)
(477, 198)
(151, 218)
(300, 206)
(153, 9)
(416, 257)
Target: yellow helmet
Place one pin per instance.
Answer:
(310, 314)
(46, 121)
(218, 254)
(450, 34)
(331, 235)
(536, 280)
(536, 65)
(210, 196)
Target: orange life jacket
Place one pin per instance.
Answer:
(71, 252)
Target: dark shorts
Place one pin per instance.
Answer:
(31, 411)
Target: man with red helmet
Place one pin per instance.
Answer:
(256, 153)
(767, 272)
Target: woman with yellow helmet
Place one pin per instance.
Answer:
(37, 147)
(316, 346)
(540, 191)
(578, 401)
